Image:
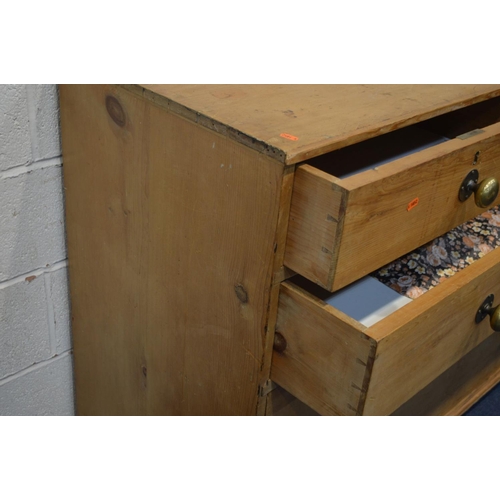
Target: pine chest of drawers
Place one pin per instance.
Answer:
(195, 213)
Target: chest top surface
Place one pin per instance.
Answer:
(298, 122)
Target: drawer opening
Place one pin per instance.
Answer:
(373, 153)
(390, 288)
(465, 120)
(434, 263)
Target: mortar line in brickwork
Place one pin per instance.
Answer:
(50, 315)
(33, 274)
(34, 367)
(31, 104)
(31, 167)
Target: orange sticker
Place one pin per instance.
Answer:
(412, 204)
(289, 137)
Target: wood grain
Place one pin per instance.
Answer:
(327, 354)
(322, 117)
(171, 237)
(461, 386)
(419, 342)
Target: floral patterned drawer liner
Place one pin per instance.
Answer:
(431, 264)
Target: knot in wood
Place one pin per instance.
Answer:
(241, 293)
(115, 110)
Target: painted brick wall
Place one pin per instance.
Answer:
(35, 343)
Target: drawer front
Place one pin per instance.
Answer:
(342, 229)
(339, 367)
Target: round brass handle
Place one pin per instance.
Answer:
(485, 192)
(487, 309)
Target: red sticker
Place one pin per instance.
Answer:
(412, 204)
(289, 137)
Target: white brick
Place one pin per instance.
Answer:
(15, 145)
(44, 390)
(24, 326)
(45, 102)
(60, 303)
(31, 221)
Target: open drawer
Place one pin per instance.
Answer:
(356, 209)
(338, 366)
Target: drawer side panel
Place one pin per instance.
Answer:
(327, 358)
(315, 226)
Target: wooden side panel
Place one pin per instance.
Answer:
(171, 237)
(380, 223)
(419, 342)
(327, 358)
(315, 225)
(462, 385)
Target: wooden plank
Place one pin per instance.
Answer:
(327, 356)
(278, 272)
(419, 342)
(293, 123)
(316, 221)
(171, 233)
(378, 201)
(461, 386)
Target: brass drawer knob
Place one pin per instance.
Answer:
(485, 192)
(487, 309)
